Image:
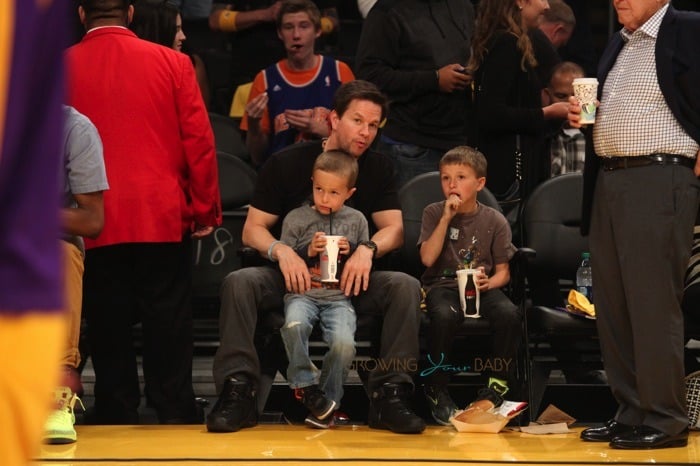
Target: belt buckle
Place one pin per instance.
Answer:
(660, 159)
(611, 163)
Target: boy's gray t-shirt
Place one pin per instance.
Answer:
(299, 227)
(486, 228)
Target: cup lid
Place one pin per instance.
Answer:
(585, 81)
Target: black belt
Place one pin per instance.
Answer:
(616, 163)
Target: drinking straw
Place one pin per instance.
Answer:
(331, 221)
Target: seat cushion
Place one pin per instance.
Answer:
(547, 321)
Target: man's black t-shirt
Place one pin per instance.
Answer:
(285, 183)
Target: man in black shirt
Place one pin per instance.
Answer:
(284, 184)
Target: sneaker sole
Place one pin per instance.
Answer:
(404, 430)
(327, 412)
(60, 440)
(317, 423)
(220, 426)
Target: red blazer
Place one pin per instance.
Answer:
(158, 144)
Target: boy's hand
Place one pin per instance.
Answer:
(256, 107)
(343, 246)
(451, 205)
(482, 280)
(317, 244)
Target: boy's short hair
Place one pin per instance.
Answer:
(299, 6)
(465, 155)
(339, 163)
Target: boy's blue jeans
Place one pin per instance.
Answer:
(337, 322)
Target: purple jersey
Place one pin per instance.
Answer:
(33, 35)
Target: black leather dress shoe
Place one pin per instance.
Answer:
(606, 432)
(644, 437)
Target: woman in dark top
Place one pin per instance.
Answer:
(160, 22)
(507, 97)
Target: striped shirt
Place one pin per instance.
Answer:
(633, 118)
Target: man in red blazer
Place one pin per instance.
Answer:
(161, 164)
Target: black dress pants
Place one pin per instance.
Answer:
(446, 316)
(148, 283)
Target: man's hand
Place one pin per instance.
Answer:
(574, 115)
(296, 274)
(255, 108)
(201, 231)
(272, 11)
(355, 277)
(452, 78)
(304, 121)
(215, 16)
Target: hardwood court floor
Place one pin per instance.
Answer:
(350, 445)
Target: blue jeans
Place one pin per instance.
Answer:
(338, 323)
(409, 160)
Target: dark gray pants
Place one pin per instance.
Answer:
(245, 292)
(641, 235)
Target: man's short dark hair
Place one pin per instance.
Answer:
(358, 90)
(567, 67)
(559, 12)
(96, 10)
(299, 6)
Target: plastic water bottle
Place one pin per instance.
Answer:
(584, 277)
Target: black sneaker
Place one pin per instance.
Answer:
(388, 410)
(442, 407)
(315, 401)
(488, 393)
(236, 408)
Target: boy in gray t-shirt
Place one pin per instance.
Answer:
(457, 233)
(304, 229)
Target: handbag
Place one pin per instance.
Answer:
(513, 196)
(692, 385)
(511, 201)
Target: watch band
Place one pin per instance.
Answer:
(371, 245)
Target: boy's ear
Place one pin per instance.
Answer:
(351, 191)
(480, 183)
